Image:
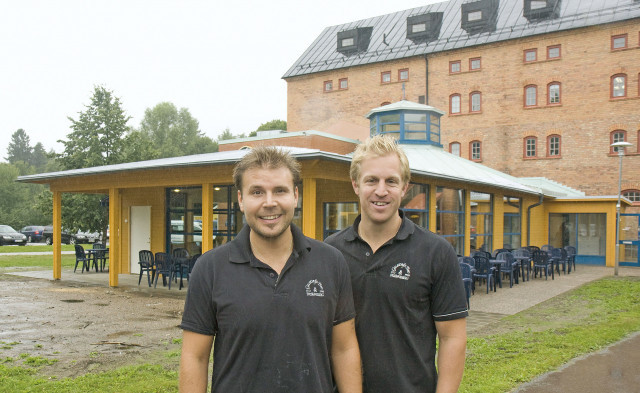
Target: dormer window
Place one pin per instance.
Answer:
(425, 27)
(541, 9)
(480, 16)
(354, 40)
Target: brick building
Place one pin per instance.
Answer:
(530, 88)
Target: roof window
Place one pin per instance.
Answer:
(480, 16)
(424, 27)
(541, 9)
(354, 40)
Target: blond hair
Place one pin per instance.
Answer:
(379, 146)
(268, 157)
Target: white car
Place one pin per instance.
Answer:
(178, 232)
(87, 237)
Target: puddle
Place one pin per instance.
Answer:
(72, 300)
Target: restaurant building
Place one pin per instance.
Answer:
(190, 202)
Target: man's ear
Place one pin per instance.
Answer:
(355, 186)
(295, 193)
(240, 201)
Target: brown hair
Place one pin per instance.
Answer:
(379, 146)
(268, 157)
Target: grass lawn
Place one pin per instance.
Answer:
(505, 355)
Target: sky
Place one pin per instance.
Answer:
(223, 61)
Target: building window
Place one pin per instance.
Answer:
(474, 64)
(618, 86)
(454, 67)
(530, 143)
(403, 75)
(553, 52)
(632, 195)
(415, 204)
(512, 219)
(454, 148)
(474, 16)
(475, 152)
(553, 145)
(338, 216)
(531, 95)
(619, 42)
(385, 77)
(343, 84)
(328, 86)
(618, 136)
(454, 105)
(475, 99)
(530, 55)
(553, 93)
(481, 228)
(450, 216)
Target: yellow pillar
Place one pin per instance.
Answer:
(498, 221)
(309, 215)
(57, 233)
(114, 236)
(207, 217)
(467, 222)
(433, 214)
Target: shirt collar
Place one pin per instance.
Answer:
(406, 228)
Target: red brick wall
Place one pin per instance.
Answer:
(584, 119)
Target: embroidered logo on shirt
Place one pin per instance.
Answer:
(314, 288)
(401, 271)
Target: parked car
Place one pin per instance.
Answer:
(87, 237)
(9, 235)
(66, 237)
(33, 233)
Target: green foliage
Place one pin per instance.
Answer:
(17, 200)
(226, 135)
(171, 133)
(98, 134)
(141, 379)
(273, 125)
(19, 149)
(10, 262)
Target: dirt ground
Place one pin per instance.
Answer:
(87, 328)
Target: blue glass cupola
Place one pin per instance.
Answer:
(408, 122)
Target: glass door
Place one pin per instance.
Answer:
(629, 240)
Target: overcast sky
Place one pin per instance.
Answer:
(223, 61)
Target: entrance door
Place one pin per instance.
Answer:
(629, 240)
(140, 235)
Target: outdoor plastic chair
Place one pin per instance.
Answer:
(181, 259)
(81, 256)
(164, 267)
(571, 256)
(559, 256)
(484, 271)
(542, 263)
(467, 279)
(509, 266)
(99, 257)
(524, 257)
(147, 265)
(546, 247)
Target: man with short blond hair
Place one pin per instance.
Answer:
(406, 281)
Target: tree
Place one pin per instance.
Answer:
(97, 138)
(19, 148)
(173, 132)
(39, 158)
(98, 134)
(17, 200)
(273, 125)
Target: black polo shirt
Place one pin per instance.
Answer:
(399, 292)
(272, 333)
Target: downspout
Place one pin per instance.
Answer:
(529, 218)
(426, 78)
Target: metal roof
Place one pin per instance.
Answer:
(389, 42)
(433, 161)
(404, 105)
(219, 158)
(426, 160)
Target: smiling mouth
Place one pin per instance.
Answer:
(273, 217)
(380, 203)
